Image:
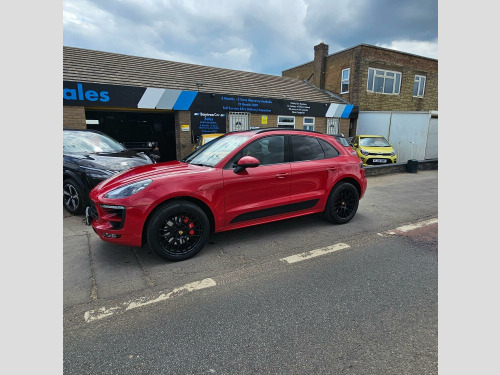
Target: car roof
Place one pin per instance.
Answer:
(279, 130)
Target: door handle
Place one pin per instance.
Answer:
(282, 175)
(331, 169)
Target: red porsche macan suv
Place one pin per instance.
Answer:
(237, 180)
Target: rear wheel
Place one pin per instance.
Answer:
(74, 199)
(342, 203)
(178, 230)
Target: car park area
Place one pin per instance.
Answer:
(97, 273)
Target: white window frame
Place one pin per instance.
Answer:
(384, 74)
(282, 124)
(345, 81)
(311, 124)
(420, 82)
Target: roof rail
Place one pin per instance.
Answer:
(263, 130)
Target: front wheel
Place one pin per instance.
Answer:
(342, 203)
(178, 230)
(73, 197)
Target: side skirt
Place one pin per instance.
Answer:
(279, 210)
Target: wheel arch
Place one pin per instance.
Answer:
(350, 180)
(70, 174)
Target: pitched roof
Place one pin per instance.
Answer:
(84, 65)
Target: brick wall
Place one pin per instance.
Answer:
(301, 72)
(359, 59)
(74, 117)
(409, 66)
(183, 139)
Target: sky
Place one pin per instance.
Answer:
(250, 35)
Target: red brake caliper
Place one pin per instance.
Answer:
(190, 225)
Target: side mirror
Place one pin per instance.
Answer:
(246, 162)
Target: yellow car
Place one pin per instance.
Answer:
(205, 138)
(373, 149)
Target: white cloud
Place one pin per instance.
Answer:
(259, 36)
(427, 49)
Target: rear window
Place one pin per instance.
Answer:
(311, 148)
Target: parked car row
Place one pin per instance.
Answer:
(228, 181)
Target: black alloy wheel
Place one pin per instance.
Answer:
(73, 197)
(178, 230)
(342, 203)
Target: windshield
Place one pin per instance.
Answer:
(374, 142)
(81, 142)
(213, 152)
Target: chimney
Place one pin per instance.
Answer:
(320, 53)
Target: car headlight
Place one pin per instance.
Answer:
(127, 190)
(364, 152)
(393, 153)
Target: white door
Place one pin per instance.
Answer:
(238, 121)
(332, 125)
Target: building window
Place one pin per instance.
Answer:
(286, 122)
(419, 86)
(308, 123)
(383, 81)
(344, 87)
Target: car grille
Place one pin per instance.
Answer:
(383, 154)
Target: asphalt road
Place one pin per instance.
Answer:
(371, 308)
(238, 307)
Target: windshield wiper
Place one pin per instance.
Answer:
(201, 164)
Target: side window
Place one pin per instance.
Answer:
(286, 122)
(419, 86)
(308, 123)
(344, 87)
(330, 151)
(268, 150)
(383, 81)
(306, 148)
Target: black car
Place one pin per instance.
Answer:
(341, 138)
(89, 157)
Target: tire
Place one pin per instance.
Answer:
(342, 203)
(178, 230)
(74, 199)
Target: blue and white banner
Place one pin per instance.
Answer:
(93, 94)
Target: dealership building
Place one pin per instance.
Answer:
(147, 101)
